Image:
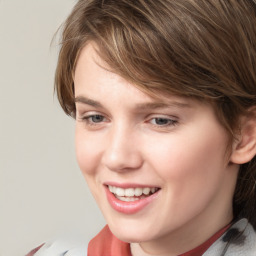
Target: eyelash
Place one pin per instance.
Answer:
(169, 122)
(88, 119)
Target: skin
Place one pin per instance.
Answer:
(125, 136)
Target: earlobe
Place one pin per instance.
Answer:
(244, 148)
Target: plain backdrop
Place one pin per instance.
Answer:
(42, 192)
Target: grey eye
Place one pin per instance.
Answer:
(162, 121)
(97, 118)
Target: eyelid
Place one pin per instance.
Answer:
(164, 116)
(85, 117)
(171, 120)
(81, 114)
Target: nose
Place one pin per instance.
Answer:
(122, 151)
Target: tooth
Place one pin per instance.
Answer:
(127, 199)
(119, 191)
(129, 192)
(153, 190)
(138, 191)
(146, 191)
(131, 199)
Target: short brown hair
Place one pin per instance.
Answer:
(205, 49)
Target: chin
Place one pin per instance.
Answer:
(131, 236)
(132, 232)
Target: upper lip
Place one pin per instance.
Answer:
(129, 185)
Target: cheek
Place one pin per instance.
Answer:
(87, 152)
(189, 159)
(192, 169)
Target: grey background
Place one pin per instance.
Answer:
(42, 192)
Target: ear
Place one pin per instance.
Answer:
(244, 148)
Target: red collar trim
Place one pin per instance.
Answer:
(105, 243)
(201, 249)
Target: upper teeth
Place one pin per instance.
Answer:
(131, 191)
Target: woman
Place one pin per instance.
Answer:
(164, 93)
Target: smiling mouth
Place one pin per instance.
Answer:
(132, 194)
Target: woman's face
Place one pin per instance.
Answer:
(158, 168)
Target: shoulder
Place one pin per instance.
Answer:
(65, 246)
(238, 240)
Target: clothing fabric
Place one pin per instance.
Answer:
(68, 245)
(238, 240)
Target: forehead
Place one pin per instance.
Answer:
(93, 76)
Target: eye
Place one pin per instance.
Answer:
(95, 118)
(163, 121)
(92, 119)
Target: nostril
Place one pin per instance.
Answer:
(122, 161)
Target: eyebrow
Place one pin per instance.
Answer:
(84, 100)
(141, 106)
(159, 105)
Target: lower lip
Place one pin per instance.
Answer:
(129, 207)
